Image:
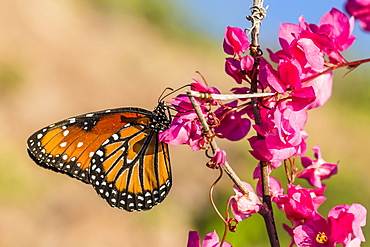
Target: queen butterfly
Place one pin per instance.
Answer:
(116, 151)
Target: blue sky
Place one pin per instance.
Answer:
(214, 15)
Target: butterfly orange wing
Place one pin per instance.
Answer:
(121, 144)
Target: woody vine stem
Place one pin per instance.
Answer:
(258, 13)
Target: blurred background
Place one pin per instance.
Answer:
(63, 58)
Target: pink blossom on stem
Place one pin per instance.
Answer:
(219, 157)
(246, 63)
(300, 203)
(360, 10)
(302, 98)
(283, 132)
(354, 215)
(233, 123)
(314, 232)
(233, 69)
(210, 240)
(338, 28)
(330, 37)
(239, 69)
(243, 206)
(343, 226)
(235, 42)
(317, 170)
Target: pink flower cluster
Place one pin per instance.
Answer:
(304, 50)
(307, 49)
(299, 78)
(236, 44)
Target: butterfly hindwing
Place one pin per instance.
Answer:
(133, 171)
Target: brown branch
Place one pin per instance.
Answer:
(226, 167)
(258, 13)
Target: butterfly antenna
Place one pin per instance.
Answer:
(163, 96)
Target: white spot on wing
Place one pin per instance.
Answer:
(80, 144)
(66, 132)
(100, 153)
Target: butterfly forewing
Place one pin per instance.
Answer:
(117, 151)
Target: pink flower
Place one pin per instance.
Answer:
(338, 28)
(246, 63)
(219, 157)
(302, 98)
(235, 42)
(300, 203)
(243, 206)
(315, 232)
(317, 170)
(308, 43)
(354, 215)
(283, 132)
(343, 226)
(233, 124)
(210, 240)
(233, 69)
(270, 77)
(238, 69)
(360, 10)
